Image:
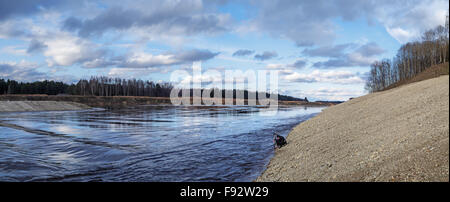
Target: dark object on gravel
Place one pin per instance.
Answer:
(278, 141)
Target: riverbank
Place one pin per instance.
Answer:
(30, 106)
(116, 102)
(401, 134)
(120, 102)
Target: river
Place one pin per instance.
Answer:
(145, 143)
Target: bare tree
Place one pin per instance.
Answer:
(412, 58)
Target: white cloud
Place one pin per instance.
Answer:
(358, 59)
(14, 50)
(362, 55)
(142, 59)
(28, 72)
(302, 78)
(402, 35)
(335, 77)
(146, 59)
(275, 66)
(332, 93)
(131, 72)
(311, 22)
(66, 50)
(22, 71)
(407, 20)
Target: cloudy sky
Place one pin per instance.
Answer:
(321, 48)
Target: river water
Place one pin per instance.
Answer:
(145, 143)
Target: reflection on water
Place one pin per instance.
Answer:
(146, 143)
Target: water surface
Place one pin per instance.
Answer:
(146, 143)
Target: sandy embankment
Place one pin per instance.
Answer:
(26, 106)
(397, 135)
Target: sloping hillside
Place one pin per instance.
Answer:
(401, 134)
(431, 72)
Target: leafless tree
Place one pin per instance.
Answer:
(412, 58)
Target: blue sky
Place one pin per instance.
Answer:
(321, 49)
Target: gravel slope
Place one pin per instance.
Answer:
(26, 106)
(397, 135)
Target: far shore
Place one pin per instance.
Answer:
(33, 106)
(401, 134)
(118, 102)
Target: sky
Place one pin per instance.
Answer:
(321, 49)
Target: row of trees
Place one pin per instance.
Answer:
(38, 87)
(95, 86)
(223, 93)
(411, 59)
(106, 86)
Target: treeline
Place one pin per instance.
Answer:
(240, 93)
(95, 86)
(411, 59)
(106, 86)
(37, 87)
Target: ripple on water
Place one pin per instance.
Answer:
(142, 144)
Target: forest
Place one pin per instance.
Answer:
(412, 58)
(95, 86)
(106, 86)
(37, 87)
